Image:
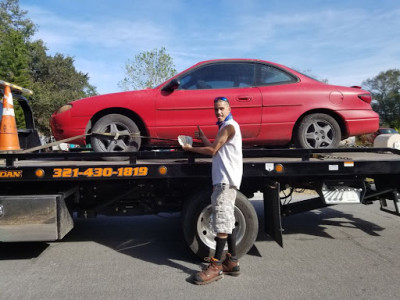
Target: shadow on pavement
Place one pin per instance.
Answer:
(156, 239)
(314, 222)
(159, 239)
(27, 250)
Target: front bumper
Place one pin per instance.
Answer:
(65, 126)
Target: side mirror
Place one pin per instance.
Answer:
(171, 86)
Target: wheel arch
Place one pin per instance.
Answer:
(337, 117)
(191, 214)
(122, 111)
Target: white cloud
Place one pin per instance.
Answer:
(100, 47)
(340, 44)
(59, 32)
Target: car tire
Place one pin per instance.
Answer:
(318, 131)
(115, 124)
(197, 228)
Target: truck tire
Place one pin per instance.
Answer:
(115, 124)
(318, 131)
(197, 228)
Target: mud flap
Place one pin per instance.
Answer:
(392, 209)
(272, 211)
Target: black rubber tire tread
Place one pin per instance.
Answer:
(300, 139)
(132, 143)
(191, 212)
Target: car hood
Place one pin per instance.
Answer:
(127, 100)
(115, 96)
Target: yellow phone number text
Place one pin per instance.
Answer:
(99, 172)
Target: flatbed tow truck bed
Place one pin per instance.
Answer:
(362, 156)
(41, 193)
(332, 156)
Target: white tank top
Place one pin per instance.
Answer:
(227, 163)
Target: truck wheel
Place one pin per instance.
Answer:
(197, 228)
(318, 131)
(115, 124)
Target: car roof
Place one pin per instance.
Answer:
(294, 72)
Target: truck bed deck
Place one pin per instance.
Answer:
(178, 157)
(273, 163)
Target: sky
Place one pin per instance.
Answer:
(343, 41)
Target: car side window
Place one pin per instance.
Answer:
(271, 75)
(219, 76)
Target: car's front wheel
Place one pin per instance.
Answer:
(318, 131)
(115, 133)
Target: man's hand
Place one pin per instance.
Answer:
(186, 147)
(199, 134)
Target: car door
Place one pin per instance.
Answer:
(281, 104)
(192, 104)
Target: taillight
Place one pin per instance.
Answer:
(366, 98)
(64, 108)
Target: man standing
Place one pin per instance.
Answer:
(227, 170)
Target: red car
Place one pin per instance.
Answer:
(274, 105)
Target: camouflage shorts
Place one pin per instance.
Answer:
(223, 204)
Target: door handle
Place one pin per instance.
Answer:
(244, 98)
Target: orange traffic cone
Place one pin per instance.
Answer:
(8, 127)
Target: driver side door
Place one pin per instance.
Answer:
(192, 103)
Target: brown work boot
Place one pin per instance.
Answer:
(230, 266)
(209, 274)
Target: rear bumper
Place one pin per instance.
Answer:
(359, 122)
(28, 218)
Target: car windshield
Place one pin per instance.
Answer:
(387, 130)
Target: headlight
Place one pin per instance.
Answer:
(64, 108)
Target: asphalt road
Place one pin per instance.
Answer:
(344, 252)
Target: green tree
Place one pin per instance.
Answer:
(55, 83)
(12, 17)
(53, 79)
(147, 70)
(15, 31)
(385, 90)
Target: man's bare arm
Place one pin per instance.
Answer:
(223, 136)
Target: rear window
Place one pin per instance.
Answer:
(269, 75)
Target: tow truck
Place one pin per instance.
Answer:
(41, 193)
